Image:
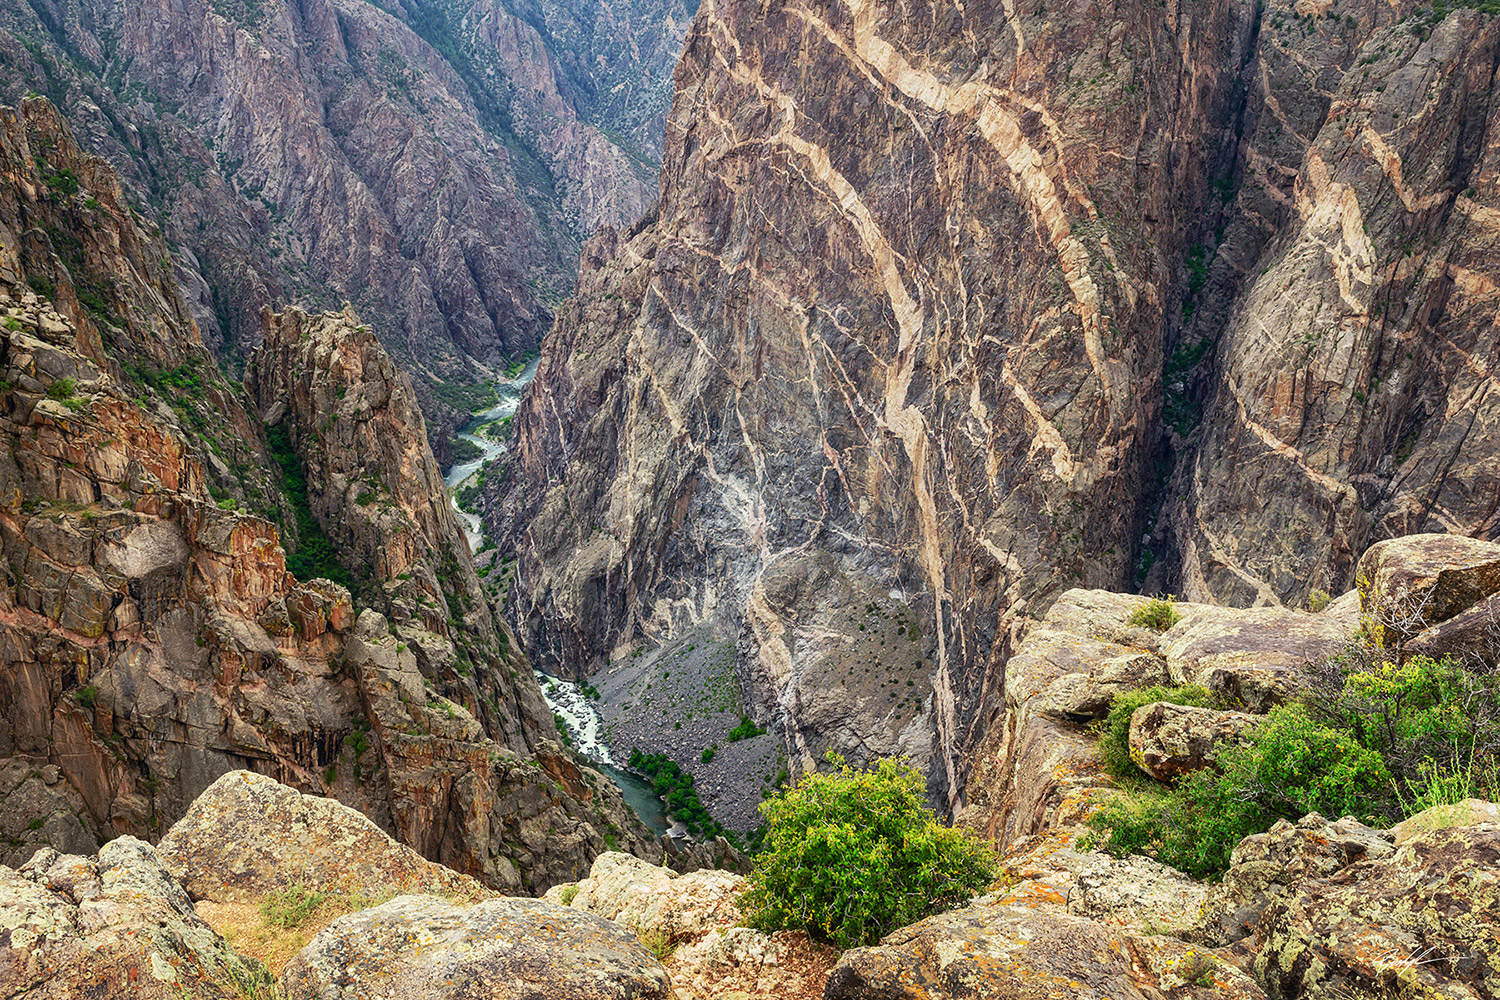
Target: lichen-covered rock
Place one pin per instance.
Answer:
(1010, 948)
(1278, 864)
(426, 948)
(697, 916)
(1168, 741)
(1136, 894)
(1419, 921)
(248, 836)
(112, 926)
(1416, 581)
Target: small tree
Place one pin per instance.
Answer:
(851, 855)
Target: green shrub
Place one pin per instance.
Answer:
(678, 791)
(1114, 729)
(465, 450)
(62, 390)
(709, 752)
(745, 730)
(1157, 613)
(1318, 600)
(850, 855)
(1288, 766)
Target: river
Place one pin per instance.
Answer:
(510, 398)
(565, 698)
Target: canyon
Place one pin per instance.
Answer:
(908, 347)
(434, 163)
(942, 312)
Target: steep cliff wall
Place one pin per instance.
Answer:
(1351, 393)
(426, 161)
(151, 635)
(892, 346)
(946, 310)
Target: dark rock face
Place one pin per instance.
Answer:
(894, 338)
(435, 163)
(1346, 402)
(899, 328)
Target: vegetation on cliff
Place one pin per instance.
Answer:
(1374, 738)
(852, 855)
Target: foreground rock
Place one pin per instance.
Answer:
(1022, 946)
(249, 835)
(112, 926)
(1168, 741)
(696, 917)
(425, 948)
(1420, 921)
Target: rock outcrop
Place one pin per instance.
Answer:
(1037, 767)
(696, 917)
(1022, 945)
(248, 836)
(499, 948)
(115, 925)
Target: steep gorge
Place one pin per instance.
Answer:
(151, 635)
(945, 310)
(432, 162)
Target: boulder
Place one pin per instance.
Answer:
(1168, 741)
(427, 948)
(696, 917)
(248, 835)
(1472, 635)
(1135, 894)
(1418, 922)
(114, 925)
(1417, 581)
(1272, 866)
(1011, 948)
(1252, 657)
(1469, 812)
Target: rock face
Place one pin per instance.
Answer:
(73, 926)
(1168, 741)
(926, 303)
(352, 421)
(151, 635)
(510, 949)
(697, 917)
(1342, 307)
(437, 164)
